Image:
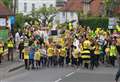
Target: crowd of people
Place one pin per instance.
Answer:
(74, 46)
(70, 47)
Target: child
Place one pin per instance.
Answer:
(113, 54)
(50, 52)
(62, 56)
(75, 55)
(26, 57)
(37, 58)
(31, 57)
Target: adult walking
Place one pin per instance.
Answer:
(10, 46)
(118, 49)
(1, 51)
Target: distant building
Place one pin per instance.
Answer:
(60, 3)
(88, 7)
(26, 6)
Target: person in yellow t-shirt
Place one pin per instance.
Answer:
(75, 56)
(37, 58)
(10, 45)
(113, 54)
(97, 54)
(62, 56)
(50, 52)
(55, 55)
(26, 57)
(1, 51)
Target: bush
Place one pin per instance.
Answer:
(94, 22)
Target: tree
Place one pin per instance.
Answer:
(45, 14)
(20, 20)
(8, 3)
(110, 5)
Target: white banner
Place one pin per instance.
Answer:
(2, 22)
(112, 22)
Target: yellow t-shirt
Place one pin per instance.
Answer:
(1, 50)
(37, 55)
(76, 53)
(26, 54)
(50, 52)
(63, 52)
(10, 44)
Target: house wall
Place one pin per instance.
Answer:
(67, 16)
(95, 7)
(38, 4)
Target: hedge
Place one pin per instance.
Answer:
(94, 22)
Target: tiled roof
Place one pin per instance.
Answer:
(4, 11)
(73, 5)
(117, 10)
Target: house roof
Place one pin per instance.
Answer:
(72, 5)
(4, 11)
(117, 10)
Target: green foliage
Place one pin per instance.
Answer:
(8, 3)
(20, 20)
(94, 22)
(44, 12)
(110, 5)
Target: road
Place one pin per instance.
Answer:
(66, 74)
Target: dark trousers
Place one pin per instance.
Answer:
(112, 60)
(37, 64)
(86, 62)
(75, 61)
(26, 61)
(92, 61)
(31, 62)
(80, 62)
(97, 57)
(67, 60)
(20, 55)
(0, 58)
(117, 75)
(55, 60)
(50, 61)
(92, 64)
(44, 60)
(61, 61)
(10, 54)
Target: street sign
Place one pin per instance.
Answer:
(2, 22)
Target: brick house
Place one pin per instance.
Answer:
(88, 7)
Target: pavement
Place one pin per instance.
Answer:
(9, 66)
(66, 74)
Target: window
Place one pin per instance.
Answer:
(33, 6)
(51, 5)
(63, 14)
(25, 7)
(71, 14)
(44, 5)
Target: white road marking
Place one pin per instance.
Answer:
(58, 80)
(69, 74)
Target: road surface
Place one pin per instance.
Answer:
(66, 74)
